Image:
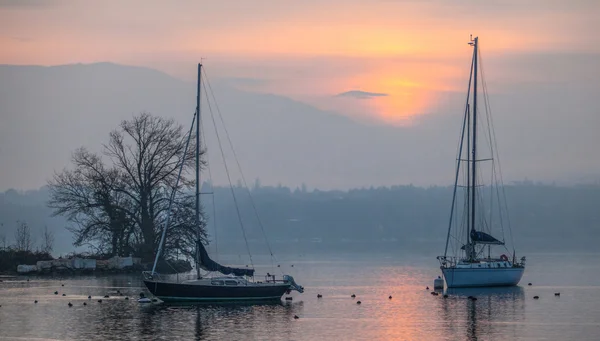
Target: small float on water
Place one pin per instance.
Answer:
(144, 299)
(438, 283)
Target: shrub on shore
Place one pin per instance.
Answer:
(10, 258)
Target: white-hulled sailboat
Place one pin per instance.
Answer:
(467, 259)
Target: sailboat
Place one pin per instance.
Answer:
(233, 284)
(470, 233)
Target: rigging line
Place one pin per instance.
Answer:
(458, 162)
(486, 103)
(497, 192)
(463, 229)
(495, 177)
(503, 209)
(500, 212)
(491, 145)
(497, 156)
(492, 190)
(240, 168)
(489, 142)
(212, 188)
(480, 198)
(462, 235)
(479, 191)
(237, 208)
(172, 198)
(487, 111)
(455, 182)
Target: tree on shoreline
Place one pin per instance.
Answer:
(2, 240)
(47, 240)
(118, 201)
(23, 239)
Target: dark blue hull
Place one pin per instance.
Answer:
(181, 292)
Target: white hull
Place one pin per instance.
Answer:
(482, 277)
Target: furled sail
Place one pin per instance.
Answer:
(210, 265)
(484, 238)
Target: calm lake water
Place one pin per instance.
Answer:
(412, 314)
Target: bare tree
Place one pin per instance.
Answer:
(125, 204)
(89, 198)
(23, 241)
(47, 240)
(149, 151)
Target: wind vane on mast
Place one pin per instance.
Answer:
(471, 41)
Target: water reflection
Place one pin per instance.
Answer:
(216, 320)
(413, 313)
(502, 293)
(471, 319)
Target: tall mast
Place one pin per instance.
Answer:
(197, 215)
(474, 157)
(469, 171)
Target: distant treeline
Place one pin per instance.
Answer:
(543, 217)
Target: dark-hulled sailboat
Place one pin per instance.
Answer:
(235, 284)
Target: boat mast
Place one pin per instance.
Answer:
(474, 156)
(468, 208)
(197, 215)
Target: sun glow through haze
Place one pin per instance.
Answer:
(412, 51)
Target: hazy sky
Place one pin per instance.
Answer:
(309, 50)
(541, 59)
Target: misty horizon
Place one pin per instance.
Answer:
(378, 219)
(91, 98)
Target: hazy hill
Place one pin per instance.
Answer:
(47, 112)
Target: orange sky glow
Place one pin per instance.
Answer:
(411, 51)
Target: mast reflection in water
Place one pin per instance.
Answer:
(493, 306)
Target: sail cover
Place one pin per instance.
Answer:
(210, 265)
(484, 238)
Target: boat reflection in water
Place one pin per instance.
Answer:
(222, 320)
(470, 319)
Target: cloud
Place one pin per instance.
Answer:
(361, 94)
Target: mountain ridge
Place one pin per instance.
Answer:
(49, 111)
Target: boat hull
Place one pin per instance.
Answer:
(181, 292)
(488, 277)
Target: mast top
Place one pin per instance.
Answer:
(472, 41)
